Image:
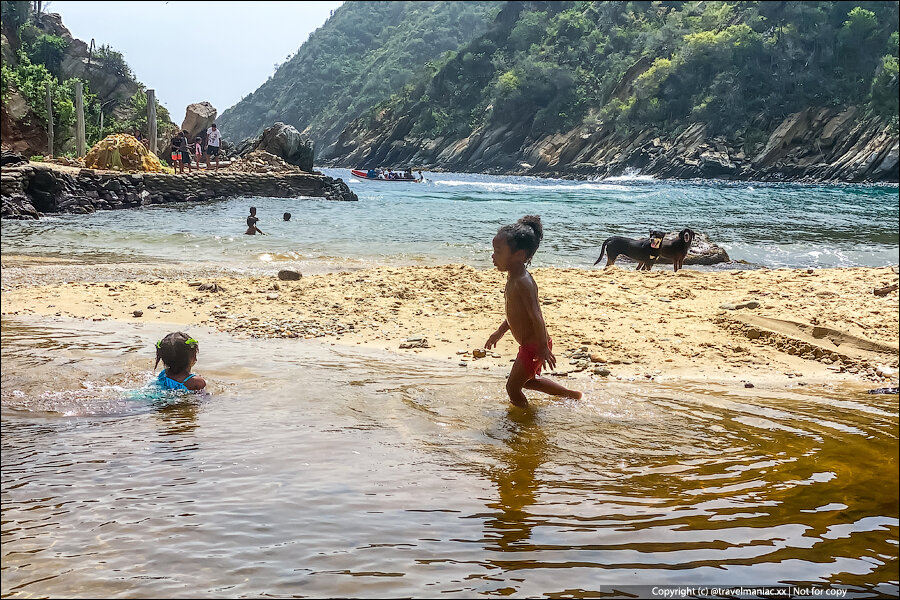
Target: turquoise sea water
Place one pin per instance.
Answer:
(452, 218)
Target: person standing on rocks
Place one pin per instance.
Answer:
(198, 150)
(213, 142)
(177, 162)
(184, 147)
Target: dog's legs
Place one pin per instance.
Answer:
(610, 260)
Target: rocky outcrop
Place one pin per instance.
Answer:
(13, 182)
(31, 189)
(113, 84)
(816, 144)
(283, 141)
(80, 61)
(19, 126)
(197, 119)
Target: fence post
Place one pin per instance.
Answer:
(49, 121)
(151, 119)
(79, 120)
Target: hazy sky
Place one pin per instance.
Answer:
(194, 51)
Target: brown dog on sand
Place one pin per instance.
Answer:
(676, 250)
(644, 250)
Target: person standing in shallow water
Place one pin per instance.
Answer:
(252, 220)
(514, 247)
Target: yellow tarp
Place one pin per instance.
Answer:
(122, 152)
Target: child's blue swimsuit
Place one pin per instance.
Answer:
(167, 383)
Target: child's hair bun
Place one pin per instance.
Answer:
(534, 221)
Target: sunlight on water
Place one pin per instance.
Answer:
(327, 471)
(453, 216)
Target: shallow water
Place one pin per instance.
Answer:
(452, 218)
(323, 471)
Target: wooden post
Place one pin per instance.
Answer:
(79, 120)
(151, 119)
(49, 121)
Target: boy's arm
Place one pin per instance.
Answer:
(495, 337)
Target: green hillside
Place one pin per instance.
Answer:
(38, 51)
(737, 67)
(365, 52)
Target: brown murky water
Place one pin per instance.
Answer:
(321, 471)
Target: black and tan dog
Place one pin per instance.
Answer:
(644, 250)
(676, 250)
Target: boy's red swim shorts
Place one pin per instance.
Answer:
(528, 355)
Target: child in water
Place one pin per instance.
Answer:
(178, 352)
(252, 220)
(514, 246)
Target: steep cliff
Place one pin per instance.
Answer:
(815, 144)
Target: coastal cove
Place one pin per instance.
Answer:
(627, 329)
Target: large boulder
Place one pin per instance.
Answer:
(283, 141)
(197, 119)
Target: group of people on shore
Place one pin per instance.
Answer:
(184, 151)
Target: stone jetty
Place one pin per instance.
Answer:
(29, 190)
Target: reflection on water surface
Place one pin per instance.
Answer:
(325, 471)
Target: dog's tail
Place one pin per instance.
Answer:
(602, 251)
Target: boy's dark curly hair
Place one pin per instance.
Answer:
(525, 234)
(176, 351)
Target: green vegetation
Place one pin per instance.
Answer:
(38, 64)
(137, 108)
(364, 53)
(738, 67)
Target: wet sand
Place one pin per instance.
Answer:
(764, 327)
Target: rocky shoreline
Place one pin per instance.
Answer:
(837, 144)
(30, 190)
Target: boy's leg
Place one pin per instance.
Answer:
(518, 378)
(548, 386)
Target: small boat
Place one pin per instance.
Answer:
(366, 175)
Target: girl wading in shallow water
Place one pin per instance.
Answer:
(178, 353)
(514, 246)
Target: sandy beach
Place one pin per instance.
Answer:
(762, 327)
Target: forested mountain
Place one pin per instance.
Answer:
(727, 88)
(364, 53)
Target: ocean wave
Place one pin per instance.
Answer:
(599, 186)
(630, 174)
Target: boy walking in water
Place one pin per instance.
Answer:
(514, 246)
